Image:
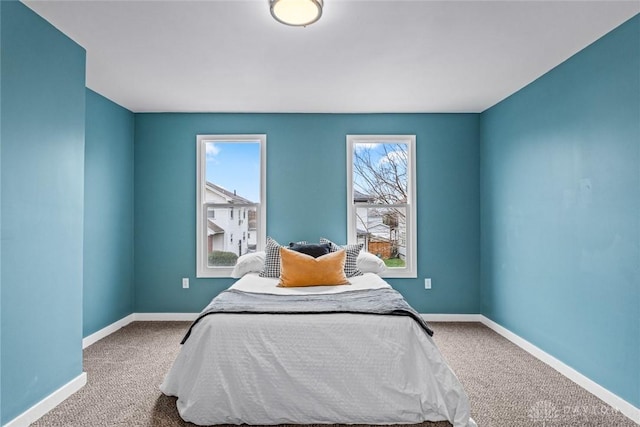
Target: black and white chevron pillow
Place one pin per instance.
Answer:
(350, 265)
(272, 258)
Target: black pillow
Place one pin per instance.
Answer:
(315, 250)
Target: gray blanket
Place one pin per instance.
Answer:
(368, 301)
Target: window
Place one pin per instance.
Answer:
(381, 199)
(231, 176)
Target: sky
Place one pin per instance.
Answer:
(378, 158)
(235, 166)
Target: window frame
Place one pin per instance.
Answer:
(410, 270)
(203, 270)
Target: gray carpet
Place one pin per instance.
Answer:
(507, 387)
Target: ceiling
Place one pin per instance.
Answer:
(362, 56)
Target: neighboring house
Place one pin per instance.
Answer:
(252, 234)
(233, 228)
(382, 231)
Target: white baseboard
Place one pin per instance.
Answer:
(592, 387)
(34, 413)
(136, 317)
(51, 401)
(165, 317)
(434, 317)
(107, 330)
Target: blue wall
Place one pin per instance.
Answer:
(108, 214)
(550, 176)
(306, 198)
(560, 212)
(0, 214)
(43, 111)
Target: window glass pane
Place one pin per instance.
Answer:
(231, 211)
(380, 172)
(229, 238)
(232, 178)
(233, 169)
(383, 231)
(381, 208)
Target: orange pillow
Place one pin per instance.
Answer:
(298, 269)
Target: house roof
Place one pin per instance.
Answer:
(213, 228)
(362, 197)
(231, 196)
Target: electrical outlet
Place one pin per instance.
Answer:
(185, 283)
(427, 283)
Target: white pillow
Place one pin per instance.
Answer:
(369, 263)
(252, 262)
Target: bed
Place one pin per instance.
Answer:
(335, 367)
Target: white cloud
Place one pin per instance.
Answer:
(361, 146)
(397, 156)
(212, 150)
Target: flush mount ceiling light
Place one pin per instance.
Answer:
(297, 13)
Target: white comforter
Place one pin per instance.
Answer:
(321, 368)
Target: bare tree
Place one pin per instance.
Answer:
(380, 178)
(383, 176)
